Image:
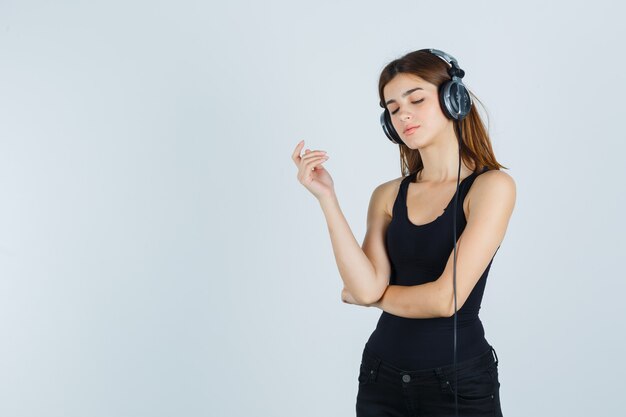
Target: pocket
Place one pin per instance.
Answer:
(493, 370)
(475, 385)
(365, 373)
(368, 368)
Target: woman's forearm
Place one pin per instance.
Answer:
(355, 268)
(422, 301)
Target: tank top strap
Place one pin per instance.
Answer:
(468, 181)
(476, 174)
(400, 203)
(404, 186)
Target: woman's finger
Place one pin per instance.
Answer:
(313, 154)
(312, 162)
(310, 159)
(307, 168)
(296, 152)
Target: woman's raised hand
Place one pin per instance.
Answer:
(311, 173)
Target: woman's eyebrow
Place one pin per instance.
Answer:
(406, 93)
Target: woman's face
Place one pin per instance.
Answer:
(411, 101)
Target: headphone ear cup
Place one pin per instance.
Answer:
(449, 96)
(443, 90)
(390, 131)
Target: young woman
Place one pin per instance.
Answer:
(405, 265)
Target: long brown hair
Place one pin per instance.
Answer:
(476, 145)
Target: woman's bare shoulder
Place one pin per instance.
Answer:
(386, 193)
(494, 181)
(495, 177)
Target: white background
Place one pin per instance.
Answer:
(158, 256)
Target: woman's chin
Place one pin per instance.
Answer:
(413, 144)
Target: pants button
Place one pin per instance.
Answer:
(406, 378)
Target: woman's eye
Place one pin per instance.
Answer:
(414, 102)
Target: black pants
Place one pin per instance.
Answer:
(385, 390)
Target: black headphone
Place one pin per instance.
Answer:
(456, 103)
(454, 98)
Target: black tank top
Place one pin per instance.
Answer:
(418, 254)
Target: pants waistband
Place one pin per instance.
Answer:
(484, 358)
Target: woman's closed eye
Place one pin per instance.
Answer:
(414, 102)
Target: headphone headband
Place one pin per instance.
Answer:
(455, 71)
(446, 57)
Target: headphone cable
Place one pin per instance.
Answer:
(456, 198)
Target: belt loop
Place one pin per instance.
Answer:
(443, 381)
(494, 352)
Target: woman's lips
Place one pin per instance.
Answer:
(411, 130)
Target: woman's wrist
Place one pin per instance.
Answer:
(328, 201)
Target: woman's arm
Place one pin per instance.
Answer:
(416, 301)
(356, 270)
(422, 301)
(365, 271)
